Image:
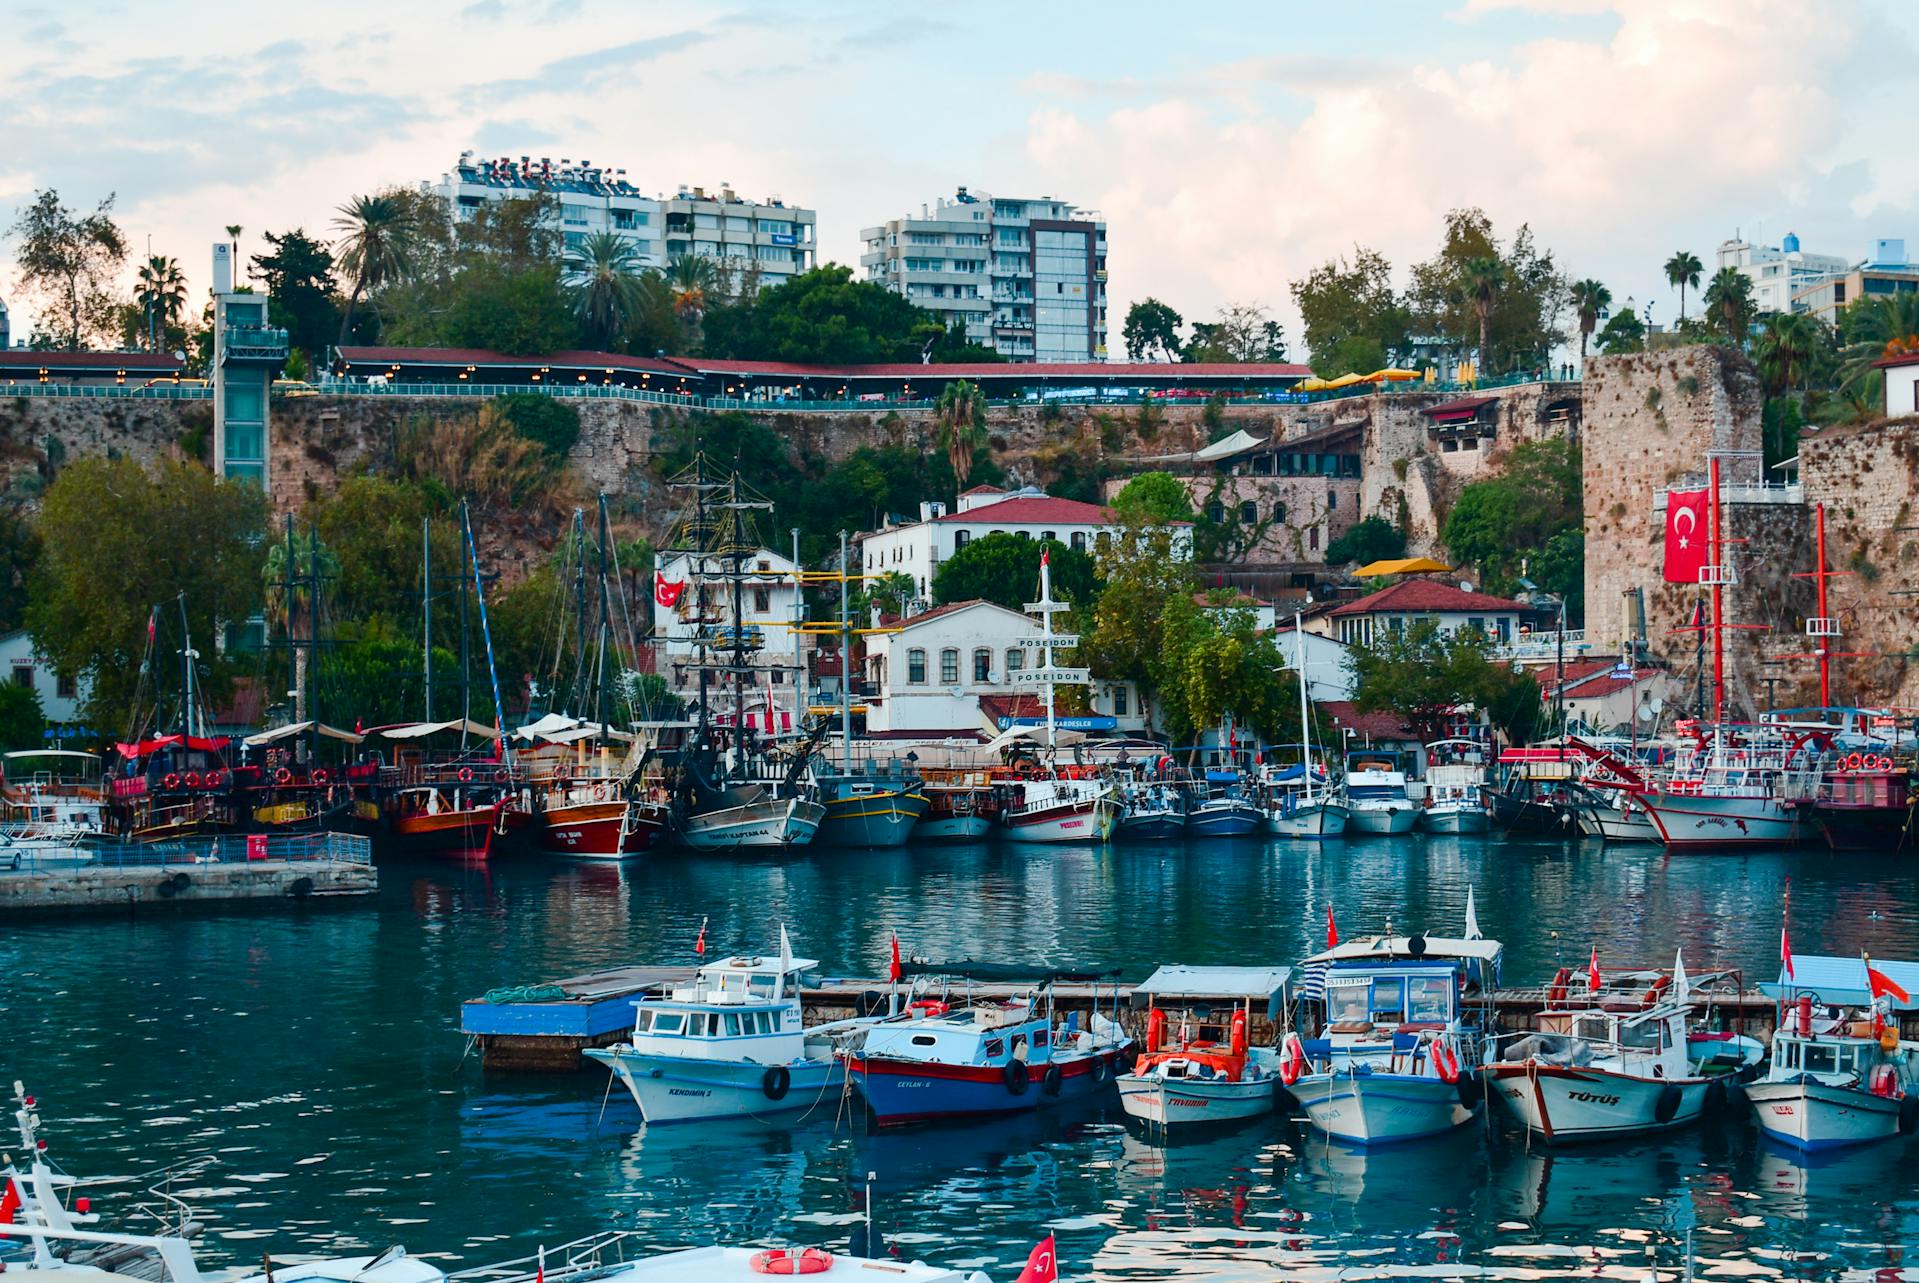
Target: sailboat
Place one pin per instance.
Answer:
(1293, 810)
(732, 791)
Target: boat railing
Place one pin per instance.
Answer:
(581, 1259)
(223, 848)
(174, 1253)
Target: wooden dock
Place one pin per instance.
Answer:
(225, 871)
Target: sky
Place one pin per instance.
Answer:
(1231, 148)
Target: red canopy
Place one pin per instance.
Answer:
(146, 748)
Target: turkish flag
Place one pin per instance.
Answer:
(893, 970)
(1881, 985)
(666, 592)
(1042, 1266)
(1686, 544)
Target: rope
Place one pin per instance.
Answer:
(525, 993)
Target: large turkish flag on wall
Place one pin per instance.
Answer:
(1686, 536)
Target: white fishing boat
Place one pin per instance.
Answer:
(1840, 1074)
(751, 816)
(1059, 809)
(1612, 815)
(1611, 1060)
(1455, 784)
(1397, 1052)
(960, 806)
(1201, 1069)
(1377, 798)
(732, 1044)
(1300, 801)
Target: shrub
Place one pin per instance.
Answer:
(545, 420)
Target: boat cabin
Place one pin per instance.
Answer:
(986, 1034)
(728, 1003)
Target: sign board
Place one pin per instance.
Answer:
(1041, 676)
(1081, 723)
(256, 846)
(1058, 641)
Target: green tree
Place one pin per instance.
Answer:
(119, 541)
(1449, 295)
(292, 566)
(1498, 522)
(1423, 674)
(694, 282)
(1589, 298)
(1366, 541)
(1788, 345)
(1483, 279)
(19, 553)
(23, 722)
(889, 592)
(302, 292)
(604, 275)
(373, 524)
(1004, 568)
(70, 261)
(1354, 320)
(1682, 270)
(503, 310)
(380, 236)
(819, 317)
(1151, 332)
(960, 416)
(1153, 499)
(1228, 669)
(1874, 329)
(547, 421)
(1729, 305)
(1145, 617)
(1243, 333)
(161, 295)
(1624, 332)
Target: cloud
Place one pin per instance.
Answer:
(585, 70)
(893, 34)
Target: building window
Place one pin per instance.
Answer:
(916, 667)
(1049, 536)
(23, 676)
(1249, 513)
(959, 539)
(1015, 660)
(762, 599)
(1279, 514)
(1332, 500)
(1216, 512)
(1119, 702)
(949, 667)
(1312, 538)
(982, 665)
(67, 686)
(1079, 536)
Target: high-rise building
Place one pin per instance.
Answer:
(1026, 277)
(6, 330)
(590, 198)
(769, 238)
(1779, 272)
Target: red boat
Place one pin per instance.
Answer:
(434, 821)
(596, 823)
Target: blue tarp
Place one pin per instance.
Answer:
(1842, 981)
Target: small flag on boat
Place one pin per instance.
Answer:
(786, 951)
(893, 968)
(1681, 986)
(1880, 985)
(699, 941)
(9, 1203)
(1785, 953)
(1042, 1265)
(539, 1274)
(1592, 970)
(1472, 916)
(1332, 931)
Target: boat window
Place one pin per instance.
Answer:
(1822, 1060)
(1347, 1002)
(732, 1025)
(1389, 1000)
(642, 1022)
(1040, 1037)
(1792, 1055)
(1593, 1029)
(669, 1022)
(762, 1022)
(1643, 1036)
(763, 986)
(696, 1026)
(925, 1040)
(1431, 998)
(995, 1048)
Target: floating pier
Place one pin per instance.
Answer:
(544, 1028)
(226, 870)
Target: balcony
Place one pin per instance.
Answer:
(1772, 492)
(263, 344)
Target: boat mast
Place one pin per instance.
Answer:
(606, 624)
(486, 634)
(846, 656)
(1825, 625)
(1046, 655)
(799, 637)
(1718, 602)
(286, 604)
(426, 607)
(1305, 718)
(187, 656)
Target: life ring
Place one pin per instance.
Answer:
(1445, 1062)
(1654, 992)
(1017, 1077)
(215, 779)
(776, 1082)
(1852, 761)
(172, 780)
(1098, 1072)
(1292, 1061)
(927, 1007)
(1561, 985)
(192, 780)
(599, 792)
(320, 776)
(282, 775)
(780, 1261)
(499, 775)
(466, 775)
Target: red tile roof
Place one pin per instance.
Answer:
(1032, 510)
(148, 363)
(1422, 595)
(927, 616)
(1463, 406)
(1906, 358)
(982, 490)
(1014, 706)
(573, 361)
(1001, 369)
(1380, 726)
(1588, 679)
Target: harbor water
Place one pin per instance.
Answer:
(313, 1056)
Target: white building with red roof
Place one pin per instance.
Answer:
(1414, 601)
(918, 549)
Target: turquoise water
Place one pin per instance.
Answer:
(315, 1058)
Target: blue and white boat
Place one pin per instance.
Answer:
(1840, 1074)
(1397, 1051)
(1151, 812)
(731, 1045)
(1227, 813)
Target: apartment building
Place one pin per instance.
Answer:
(769, 238)
(1887, 271)
(1778, 272)
(1026, 277)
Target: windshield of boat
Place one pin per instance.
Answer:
(1346, 1000)
(1430, 999)
(1376, 792)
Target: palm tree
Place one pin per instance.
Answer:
(1483, 279)
(604, 274)
(378, 241)
(1591, 298)
(302, 563)
(1785, 350)
(1875, 328)
(1729, 304)
(1683, 269)
(960, 414)
(233, 237)
(161, 294)
(692, 279)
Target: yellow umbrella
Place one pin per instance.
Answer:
(1311, 385)
(1396, 375)
(1345, 381)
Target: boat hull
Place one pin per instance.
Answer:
(1811, 1115)
(1689, 822)
(871, 820)
(1194, 1102)
(953, 828)
(1611, 823)
(1450, 818)
(600, 831)
(1529, 815)
(900, 1091)
(1564, 1104)
(1310, 821)
(1157, 826)
(1236, 821)
(778, 824)
(1088, 821)
(1380, 1109)
(481, 833)
(1382, 820)
(1859, 828)
(671, 1089)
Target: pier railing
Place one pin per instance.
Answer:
(28, 856)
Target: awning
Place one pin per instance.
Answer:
(420, 730)
(293, 729)
(1842, 981)
(1402, 566)
(149, 746)
(1215, 982)
(1455, 411)
(1034, 734)
(1438, 947)
(1346, 381)
(1240, 440)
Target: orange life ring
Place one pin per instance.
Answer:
(215, 779)
(1852, 762)
(193, 779)
(466, 775)
(172, 780)
(499, 775)
(1651, 997)
(320, 776)
(1562, 981)
(1445, 1061)
(599, 792)
(1292, 1061)
(282, 775)
(780, 1261)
